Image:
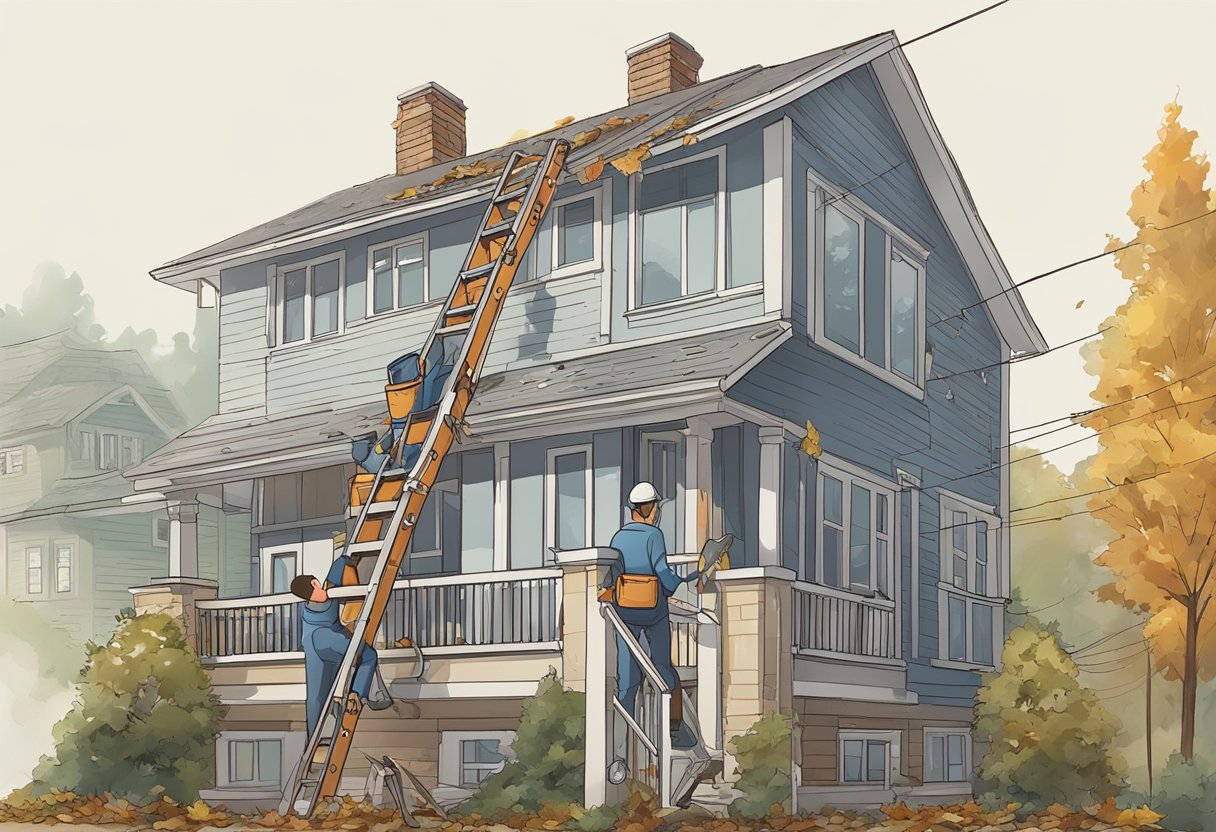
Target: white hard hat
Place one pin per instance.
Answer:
(643, 492)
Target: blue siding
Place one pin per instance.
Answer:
(844, 134)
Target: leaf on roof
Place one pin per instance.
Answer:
(482, 167)
(611, 123)
(406, 194)
(630, 162)
(563, 121)
(691, 138)
(677, 123)
(585, 137)
(592, 172)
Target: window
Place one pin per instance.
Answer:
(568, 242)
(678, 225)
(568, 485)
(63, 567)
(426, 545)
(254, 761)
(661, 461)
(282, 570)
(12, 461)
(87, 447)
(575, 232)
(128, 451)
(398, 275)
(33, 570)
(311, 294)
(868, 756)
(854, 532)
(970, 600)
(947, 756)
(478, 760)
(109, 451)
(869, 293)
(160, 532)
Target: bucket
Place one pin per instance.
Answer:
(401, 397)
(406, 368)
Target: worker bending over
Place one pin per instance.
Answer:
(642, 589)
(326, 641)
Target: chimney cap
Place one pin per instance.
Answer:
(653, 42)
(431, 86)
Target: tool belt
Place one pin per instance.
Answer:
(637, 592)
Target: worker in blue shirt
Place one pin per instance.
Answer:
(645, 612)
(325, 642)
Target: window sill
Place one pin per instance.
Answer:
(659, 310)
(392, 313)
(882, 373)
(952, 664)
(991, 600)
(579, 269)
(296, 346)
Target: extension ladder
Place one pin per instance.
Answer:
(385, 523)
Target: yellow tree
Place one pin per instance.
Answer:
(1156, 369)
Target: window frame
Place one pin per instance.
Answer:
(594, 264)
(29, 567)
(892, 757)
(86, 446)
(849, 477)
(101, 456)
(995, 600)
(157, 542)
(675, 502)
(488, 768)
(256, 781)
(551, 497)
(280, 299)
(422, 237)
(819, 192)
(7, 464)
(448, 486)
(930, 733)
(451, 752)
(633, 301)
(57, 547)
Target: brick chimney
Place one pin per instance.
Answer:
(665, 64)
(430, 128)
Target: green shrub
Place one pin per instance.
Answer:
(598, 819)
(1186, 795)
(144, 722)
(549, 749)
(1050, 739)
(763, 757)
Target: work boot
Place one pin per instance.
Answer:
(381, 703)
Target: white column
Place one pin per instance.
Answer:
(183, 539)
(502, 505)
(771, 442)
(698, 482)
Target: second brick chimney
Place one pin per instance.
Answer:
(665, 64)
(430, 128)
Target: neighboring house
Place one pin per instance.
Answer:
(73, 416)
(785, 254)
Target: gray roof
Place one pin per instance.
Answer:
(48, 381)
(598, 374)
(75, 495)
(372, 198)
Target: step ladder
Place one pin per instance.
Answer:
(417, 443)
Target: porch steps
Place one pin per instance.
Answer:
(428, 395)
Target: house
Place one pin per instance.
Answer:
(796, 247)
(74, 415)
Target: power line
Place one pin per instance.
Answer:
(953, 23)
(962, 312)
(1113, 424)
(1078, 651)
(1122, 660)
(1019, 358)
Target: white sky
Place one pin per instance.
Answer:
(134, 132)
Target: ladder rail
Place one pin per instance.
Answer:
(458, 390)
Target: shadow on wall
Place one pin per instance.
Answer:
(540, 312)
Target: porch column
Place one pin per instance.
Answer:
(756, 611)
(183, 539)
(589, 660)
(502, 506)
(178, 593)
(771, 441)
(698, 482)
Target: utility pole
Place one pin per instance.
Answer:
(1148, 716)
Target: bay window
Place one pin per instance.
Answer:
(971, 584)
(868, 288)
(397, 274)
(678, 230)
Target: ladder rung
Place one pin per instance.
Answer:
(457, 311)
(510, 195)
(453, 329)
(479, 271)
(368, 546)
(499, 228)
(386, 507)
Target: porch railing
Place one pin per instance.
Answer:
(684, 605)
(500, 609)
(834, 621)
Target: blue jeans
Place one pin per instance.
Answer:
(324, 649)
(656, 640)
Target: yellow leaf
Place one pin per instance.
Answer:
(585, 137)
(593, 171)
(198, 811)
(691, 138)
(562, 122)
(630, 162)
(406, 194)
(810, 443)
(1080, 303)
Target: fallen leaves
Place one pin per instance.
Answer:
(630, 162)
(563, 121)
(592, 171)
